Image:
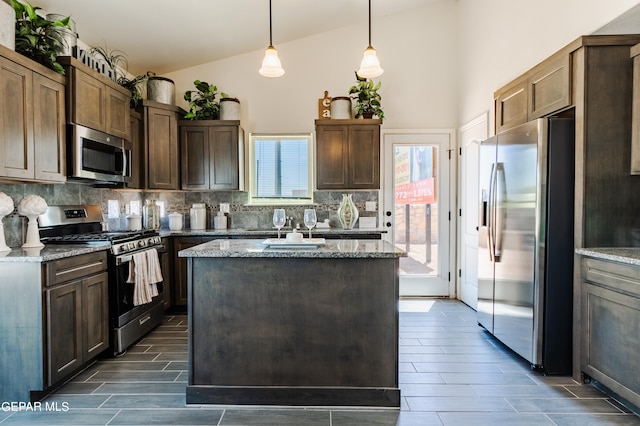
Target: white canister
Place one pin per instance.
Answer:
(220, 221)
(198, 216)
(175, 221)
(341, 107)
(229, 109)
(134, 222)
(7, 25)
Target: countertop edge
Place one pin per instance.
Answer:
(626, 255)
(50, 252)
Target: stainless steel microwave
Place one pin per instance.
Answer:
(97, 156)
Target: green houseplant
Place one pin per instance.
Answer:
(117, 61)
(202, 102)
(36, 37)
(365, 93)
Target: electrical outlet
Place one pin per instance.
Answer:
(224, 207)
(113, 209)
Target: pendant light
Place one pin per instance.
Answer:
(271, 66)
(370, 65)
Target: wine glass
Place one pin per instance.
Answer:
(279, 219)
(310, 219)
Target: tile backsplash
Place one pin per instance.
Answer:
(240, 214)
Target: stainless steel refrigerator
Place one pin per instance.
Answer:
(525, 255)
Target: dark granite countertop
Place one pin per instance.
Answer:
(628, 255)
(264, 232)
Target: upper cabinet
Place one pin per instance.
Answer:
(542, 90)
(159, 160)
(32, 114)
(95, 101)
(211, 154)
(348, 154)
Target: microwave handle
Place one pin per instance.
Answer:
(126, 162)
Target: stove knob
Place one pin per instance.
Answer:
(142, 243)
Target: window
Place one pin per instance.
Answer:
(280, 170)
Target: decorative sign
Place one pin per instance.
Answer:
(324, 107)
(414, 181)
(89, 60)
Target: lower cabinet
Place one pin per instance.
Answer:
(610, 318)
(76, 316)
(180, 295)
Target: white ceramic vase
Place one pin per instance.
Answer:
(347, 212)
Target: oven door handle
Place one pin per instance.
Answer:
(126, 258)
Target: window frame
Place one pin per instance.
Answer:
(262, 201)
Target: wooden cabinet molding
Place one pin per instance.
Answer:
(635, 121)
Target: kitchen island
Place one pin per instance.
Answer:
(293, 326)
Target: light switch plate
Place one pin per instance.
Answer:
(113, 209)
(370, 206)
(224, 207)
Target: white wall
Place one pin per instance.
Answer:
(501, 39)
(417, 51)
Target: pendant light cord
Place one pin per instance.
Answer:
(369, 22)
(271, 30)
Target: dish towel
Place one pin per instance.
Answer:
(144, 273)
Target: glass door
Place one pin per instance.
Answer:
(417, 188)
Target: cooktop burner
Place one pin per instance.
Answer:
(99, 237)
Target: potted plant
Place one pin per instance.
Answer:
(365, 93)
(202, 102)
(36, 37)
(117, 61)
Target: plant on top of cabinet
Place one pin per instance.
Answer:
(117, 61)
(202, 102)
(36, 37)
(365, 93)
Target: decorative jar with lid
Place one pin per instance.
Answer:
(151, 215)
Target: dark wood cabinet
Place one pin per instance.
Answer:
(180, 267)
(348, 154)
(635, 121)
(95, 101)
(32, 114)
(137, 150)
(544, 89)
(210, 153)
(76, 313)
(160, 160)
(610, 317)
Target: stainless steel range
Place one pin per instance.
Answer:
(81, 224)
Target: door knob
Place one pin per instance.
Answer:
(388, 224)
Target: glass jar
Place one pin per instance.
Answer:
(151, 215)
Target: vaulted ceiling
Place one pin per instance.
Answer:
(165, 35)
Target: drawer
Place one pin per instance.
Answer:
(70, 268)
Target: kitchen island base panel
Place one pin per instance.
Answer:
(293, 331)
(294, 396)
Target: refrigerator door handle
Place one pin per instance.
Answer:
(499, 210)
(491, 212)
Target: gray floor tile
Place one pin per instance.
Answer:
(441, 403)
(132, 366)
(521, 391)
(584, 391)
(172, 356)
(78, 388)
(66, 418)
(186, 416)
(455, 367)
(177, 365)
(481, 378)
(421, 389)
(365, 418)
(134, 376)
(494, 419)
(142, 388)
(419, 378)
(408, 418)
(149, 401)
(564, 405)
(275, 417)
(406, 367)
(594, 419)
(419, 349)
(77, 401)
